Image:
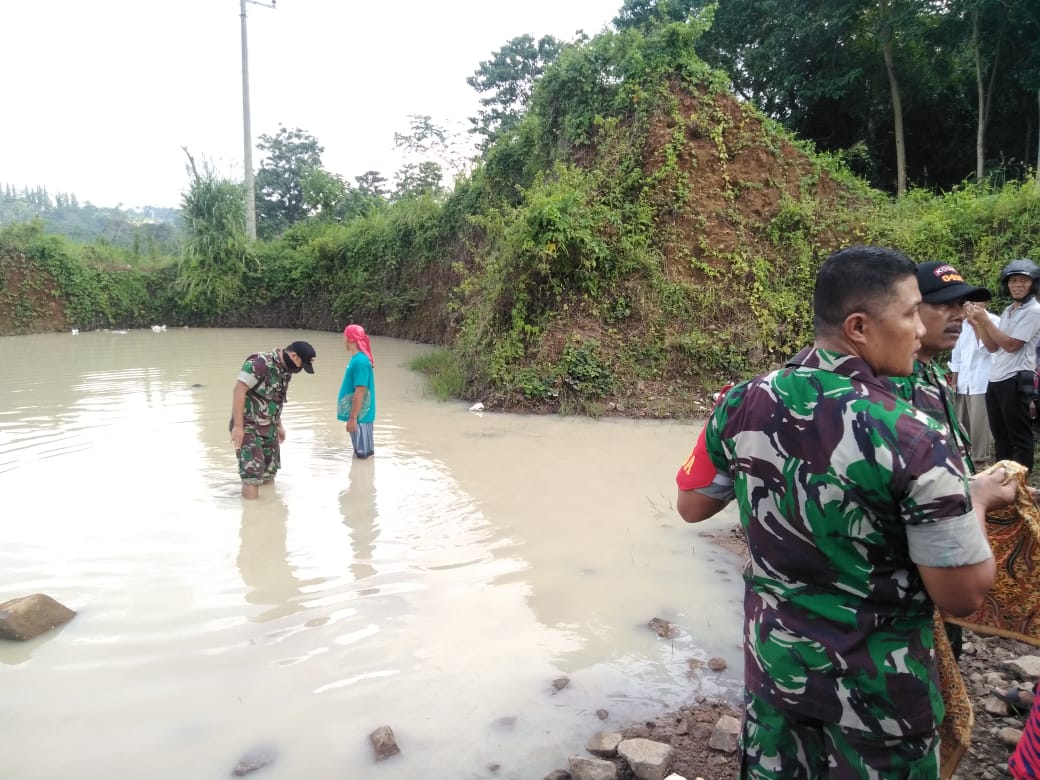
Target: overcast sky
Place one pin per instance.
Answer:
(99, 96)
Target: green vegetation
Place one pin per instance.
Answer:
(442, 368)
(150, 235)
(50, 283)
(630, 237)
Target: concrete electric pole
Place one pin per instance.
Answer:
(246, 131)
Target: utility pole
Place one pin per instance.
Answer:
(246, 131)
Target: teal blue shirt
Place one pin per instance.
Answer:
(358, 374)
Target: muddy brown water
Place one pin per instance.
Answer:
(438, 588)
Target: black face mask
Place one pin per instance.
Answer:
(291, 364)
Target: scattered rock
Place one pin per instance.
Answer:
(647, 759)
(661, 627)
(560, 683)
(717, 664)
(1009, 736)
(558, 774)
(584, 768)
(384, 743)
(27, 617)
(493, 767)
(726, 735)
(637, 731)
(256, 758)
(1026, 667)
(602, 714)
(995, 706)
(603, 744)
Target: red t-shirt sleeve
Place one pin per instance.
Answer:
(698, 471)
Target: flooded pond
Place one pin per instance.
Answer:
(438, 588)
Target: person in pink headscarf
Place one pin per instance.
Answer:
(356, 405)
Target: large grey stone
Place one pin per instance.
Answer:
(1027, 667)
(726, 735)
(29, 616)
(603, 744)
(648, 760)
(584, 768)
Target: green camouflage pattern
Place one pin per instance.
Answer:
(779, 747)
(265, 400)
(928, 389)
(829, 466)
(259, 457)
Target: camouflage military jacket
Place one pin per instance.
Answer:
(927, 389)
(828, 469)
(268, 380)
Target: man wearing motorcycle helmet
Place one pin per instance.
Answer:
(1013, 343)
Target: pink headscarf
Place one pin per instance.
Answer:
(356, 334)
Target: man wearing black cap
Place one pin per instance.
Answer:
(256, 411)
(944, 297)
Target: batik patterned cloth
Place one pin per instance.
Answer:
(1012, 606)
(1010, 609)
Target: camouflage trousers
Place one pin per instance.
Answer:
(259, 457)
(780, 745)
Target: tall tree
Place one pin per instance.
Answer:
(280, 198)
(646, 14)
(373, 184)
(414, 179)
(427, 140)
(506, 81)
(890, 19)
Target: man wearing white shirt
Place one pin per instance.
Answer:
(970, 364)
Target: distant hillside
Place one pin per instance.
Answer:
(149, 231)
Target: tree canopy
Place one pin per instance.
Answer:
(281, 199)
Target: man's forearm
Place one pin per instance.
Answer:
(357, 402)
(238, 404)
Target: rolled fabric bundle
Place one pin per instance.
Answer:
(1010, 608)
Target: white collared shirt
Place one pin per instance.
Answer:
(971, 361)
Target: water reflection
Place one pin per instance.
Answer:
(358, 504)
(263, 557)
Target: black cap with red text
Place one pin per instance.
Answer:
(941, 283)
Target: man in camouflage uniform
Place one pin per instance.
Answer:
(256, 411)
(858, 519)
(944, 294)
